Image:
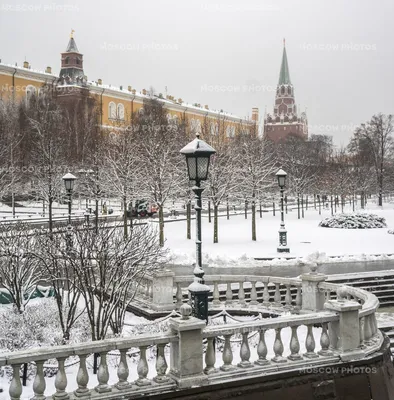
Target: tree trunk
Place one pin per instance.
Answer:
(260, 209)
(307, 202)
(188, 220)
(50, 214)
(161, 226)
(273, 208)
(125, 217)
(228, 210)
(246, 209)
(314, 201)
(254, 220)
(319, 205)
(332, 206)
(302, 206)
(215, 224)
(298, 206)
(97, 213)
(209, 211)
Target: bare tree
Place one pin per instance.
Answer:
(376, 138)
(256, 166)
(108, 268)
(19, 269)
(162, 166)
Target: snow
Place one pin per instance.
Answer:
(304, 237)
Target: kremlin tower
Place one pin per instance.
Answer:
(285, 120)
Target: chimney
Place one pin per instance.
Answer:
(121, 87)
(48, 70)
(129, 88)
(206, 107)
(144, 92)
(255, 114)
(100, 81)
(134, 91)
(26, 64)
(180, 101)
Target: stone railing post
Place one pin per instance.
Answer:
(312, 296)
(162, 294)
(345, 333)
(186, 364)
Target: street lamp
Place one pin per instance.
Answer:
(198, 154)
(282, 248)
(69, 180)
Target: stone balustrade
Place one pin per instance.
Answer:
(343, 325)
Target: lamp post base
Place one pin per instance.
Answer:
(283, 249)
(199, 300)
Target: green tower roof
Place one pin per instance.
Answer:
(284, 76)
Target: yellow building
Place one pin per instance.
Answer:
(117, 104)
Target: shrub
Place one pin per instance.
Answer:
(354, 221)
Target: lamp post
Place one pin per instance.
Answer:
(198, 154)
(282, 248)
(69, 180)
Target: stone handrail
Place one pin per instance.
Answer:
(103, 390)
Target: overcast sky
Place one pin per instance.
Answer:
(225, 54)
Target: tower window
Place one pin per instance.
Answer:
(78, 61)
(289, 90)
(282, 90)
(67, 60)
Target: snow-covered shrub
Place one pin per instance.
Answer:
(354, 221)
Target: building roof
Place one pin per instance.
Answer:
(284, 76)
(72, 46)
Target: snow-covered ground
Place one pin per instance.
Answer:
(304, 237)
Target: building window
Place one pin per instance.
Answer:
(120, 111)
(289, 90)
(282, 90)
(30, 92)
(78, 61)
(112, 110)
(66, 60)
(230, 131)
(195, 126)
(214, 128)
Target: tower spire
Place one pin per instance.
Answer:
(284, 76)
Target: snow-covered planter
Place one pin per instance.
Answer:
(354, 221)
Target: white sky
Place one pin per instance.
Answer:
(225, 54)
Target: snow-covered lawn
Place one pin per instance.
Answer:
(304, 237)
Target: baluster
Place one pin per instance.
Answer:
(143, 369)
(82, 378)
(294, 345)
(245, 352)
(374, 324)
(266, 294)
(325, 341)
(103, 375)
(262, 349)
(241, 294)
(178, 295)
(15, 389)
(123, 371)
(61, 381)
(229, 294)
(253, 295)
(210, 356)
(227, 354)
(328, 295)
(362, 333)
(39, 382)
(367, 331)
(216, 294)
(161, 365)
(288, 298)
(278, 347)
(298, 300)
(310, 343)
(277, 296)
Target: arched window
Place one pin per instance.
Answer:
(230, 131)
(214, 129)
(67, 60)
(120, 111)
(30, 92)
(282, 90)
(289, 90)
(112, 110)
(195, 126)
